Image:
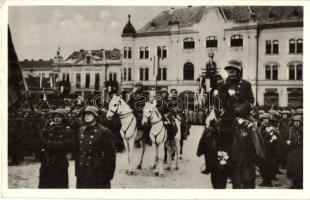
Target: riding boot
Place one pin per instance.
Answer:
(218, 180)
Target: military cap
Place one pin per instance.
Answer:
(234, 64)
(163, 90)
(299, 111)
(285, 112)
(92, 109)
(261, 112)
(138, 84)
(61, 112)
(173, 89)
(265, 116)
(297, 118)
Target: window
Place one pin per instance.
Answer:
(295, 46)
(141, 53)
(271, 98)
(236, 41)
(110, 76)
(272, 47)
(295, 71)
(97, 81)
(125, 74)
(271, 72)
(299, 46)
(295, 97)
(129, 52)
(129, 74)
(164, 49)
(189, 43)
(87, 80)
(146, 52)
(114, 77)
(188, 71)
(162, 74)
(211, 42)
(78, 80)
(144, 74)
(88, 59)
(125, 52)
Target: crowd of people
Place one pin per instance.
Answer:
(50, 129)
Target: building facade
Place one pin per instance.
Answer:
(84, 71)
(174, 47)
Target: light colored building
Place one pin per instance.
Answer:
(84, 71)
(250, 34)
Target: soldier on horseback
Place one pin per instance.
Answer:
(136, 99)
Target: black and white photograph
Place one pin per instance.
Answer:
(155, 97)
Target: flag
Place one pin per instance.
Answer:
(16, 81)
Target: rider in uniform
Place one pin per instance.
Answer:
(136, 99)
(239, 97)
(96, 159)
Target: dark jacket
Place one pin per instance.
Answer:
(57, 141)
(96, 159)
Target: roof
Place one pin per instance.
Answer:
(36, 63)
(95, 55)
(129, 29)
(187, 17)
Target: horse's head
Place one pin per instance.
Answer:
(148, 111)
(114, 106)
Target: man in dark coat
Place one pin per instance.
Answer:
(295, 153)
(283, 137)
(136, 100)
(57, 141)
(237, 103)
(96, 159)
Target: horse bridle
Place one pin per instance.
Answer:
(123, 116)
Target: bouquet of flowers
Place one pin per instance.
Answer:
(222, 156)
(245, 126)
(272, 136)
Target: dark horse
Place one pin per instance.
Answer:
(230, 144)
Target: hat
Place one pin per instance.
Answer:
(265, 116)
(61, 112)
(299, 111)
(297, 118)
(92, 109)
(163, 90)
(274, 113)
(285, 112)
(138, 84)
(261, 112)
(173, 90)
(234, 64)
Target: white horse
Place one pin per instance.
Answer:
(129, 131)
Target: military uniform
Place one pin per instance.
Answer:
(95, 162)
(57, 141)
(295, 154)
(237, 99)
(283, 137)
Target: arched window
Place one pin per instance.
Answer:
(271, 72)
(236, 41)
(189, 43)
(211, 42)
(125, 52)
(188, 71)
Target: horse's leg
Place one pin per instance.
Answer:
(127, 153)
(181, 149)
(131, 144)
(142, 154)
(168, 154)
(161, 158)
(165, 156)
(177, 147)
(155, 165)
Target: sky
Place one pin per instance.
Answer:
(37, 31)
